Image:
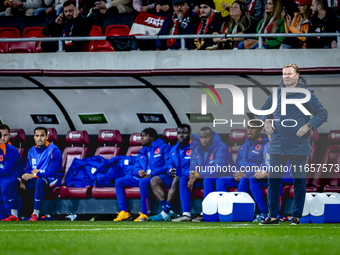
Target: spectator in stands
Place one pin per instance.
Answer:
(210, 152)
(68, 23)
(223, 6)
(272, 23)
(43, 173)
(178, 163)
(50, 8)
(113, 6)
(10, 169)
(299, 24)
(163, 7)
(27, 7)
(324, 20)
(333, 4)
(143, 6)
(239, 22)
(151, 162)
(182, 21)
(211, 22)
(291, 144)
(249, 157)
(256, 9)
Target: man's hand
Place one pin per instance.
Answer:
(165, 8)
(268, 127)
(22, 185)
(49, 10)
(101, 5)
(141, 173)
(26, 177)
(59, 19)
(15, 4)
(191, 184)
(302, 131)
(238, 175)
(226, 6)
(144, 8)
(260, 174)
(334, 45)
(35, 171)
(75, 12)
(147, 176)
(158, 8)
(172, 172)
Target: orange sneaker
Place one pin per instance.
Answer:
(11, 218)
(34, 218)
(123, 216)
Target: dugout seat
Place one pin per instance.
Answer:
(237, 137)
(109, 137)
(135, 144)
(170, 136)
(77, 140)
(52, 135)
(18, 137)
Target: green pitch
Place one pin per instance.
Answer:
(132, 238)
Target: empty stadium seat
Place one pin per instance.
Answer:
(115, 30)
(109, 137)
(100, 46)
(77, 140)
(96, 31)
(170, 136)
(8, 32)
(52, 135)
(135, 144)
(22, 47)
(237, 137)
(32, 32)
(18, 136)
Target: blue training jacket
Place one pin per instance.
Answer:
(47, 160)
(158, 154)
(10, 162)
(251, 154)
(284, 140)
(216, 155)
(180, 156)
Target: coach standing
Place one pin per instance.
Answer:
(291, 143)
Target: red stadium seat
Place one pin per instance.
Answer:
(236, 137)
(18, 136)
(52, 135)
(170, 135)
(114, 30)
(109, 136)
(100, 46)
(135, 144)
(22, 47)
(77, 139)
(8, 32)
(96, 31)
(32, 32)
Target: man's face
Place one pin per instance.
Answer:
(290, 77)
(146, 139)
(183, 135)
(253, 133)
(40, 138)
(180, 8)
(68, 11)
(206, 11)
(314, 7)
(5, 136)
(206, 138)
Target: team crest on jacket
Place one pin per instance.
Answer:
(157, 151)
(188, 152)
(258, 147)
(211, 157)
(1, 158)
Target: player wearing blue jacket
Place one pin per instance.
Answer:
(249, 159)
(178, 163)
(151, 162)
(10, 169)
(43, 172)
(211, 152)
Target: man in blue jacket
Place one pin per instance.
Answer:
(290, 141)
(178, 162)
(211, 153)
(249, 159)
(182, 21)
(43, 172)
(151, 162)
(10, 169)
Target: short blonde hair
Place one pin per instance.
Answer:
(296, 68)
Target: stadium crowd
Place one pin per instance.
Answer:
(195, 17)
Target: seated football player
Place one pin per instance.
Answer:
(210, 152)
(249, 159)
(178, 162)
(151, 162)
(43, 172)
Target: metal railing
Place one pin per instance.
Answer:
(165, 37)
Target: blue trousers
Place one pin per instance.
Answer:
(299, 181)
(222, 184)
(185, 193)
(143, 185)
